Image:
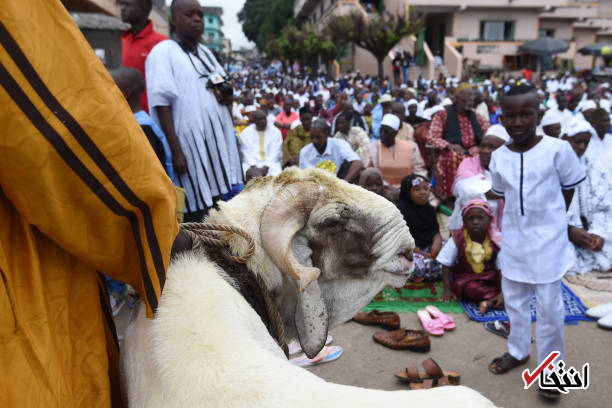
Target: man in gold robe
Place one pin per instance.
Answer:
(82, 195)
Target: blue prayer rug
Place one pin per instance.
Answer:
(574, 309)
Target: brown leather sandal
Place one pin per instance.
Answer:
(505, 363)
(432, 372)
(432, 383)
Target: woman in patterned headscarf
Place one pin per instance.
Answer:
(456, 132)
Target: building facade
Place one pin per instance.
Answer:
(159, 13)
(482, 35)
(213, 36)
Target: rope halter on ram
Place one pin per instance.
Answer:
(207, 234)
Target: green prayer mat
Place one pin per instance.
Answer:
(412, 297)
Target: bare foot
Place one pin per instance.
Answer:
(484, 307)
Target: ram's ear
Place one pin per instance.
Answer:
(311, 320)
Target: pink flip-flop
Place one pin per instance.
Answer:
(433, 327)
(447, 322)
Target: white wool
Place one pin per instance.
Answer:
(208, 347)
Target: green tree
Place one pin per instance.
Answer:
(304, 44)
(264, 19)
(377, 34)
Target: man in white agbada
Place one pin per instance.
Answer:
(261, 146)
(590, 213)
(193, 115)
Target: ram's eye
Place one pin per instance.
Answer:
(332, 224)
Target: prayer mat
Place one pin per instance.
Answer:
(412, 297)
(574, 309)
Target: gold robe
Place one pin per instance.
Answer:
(81, 194)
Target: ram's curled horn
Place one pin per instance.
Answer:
(282, 218)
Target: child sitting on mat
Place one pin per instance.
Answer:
(421, 219)
(470, 258)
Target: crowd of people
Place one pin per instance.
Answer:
(401, 139)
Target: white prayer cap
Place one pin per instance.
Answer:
(498, 131)
(403, 86)
(447, 102)
(511, 81)
(250, 108)
(386, 98)
(587, 105)
(391, 120)
(487, 82)
(577, 126)
(428, 114)
(551, 117)
(412, 90)
(413, 102)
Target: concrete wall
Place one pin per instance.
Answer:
(563, 28)
(468, 22)
(490, 54)
(605, 8)
(584, 37)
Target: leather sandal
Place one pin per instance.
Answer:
(505, 363)
(432, 372)
(432, 383)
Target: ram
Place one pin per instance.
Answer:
(322, 249)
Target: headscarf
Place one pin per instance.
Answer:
(421, 219)
(481, 204)
(370, 171)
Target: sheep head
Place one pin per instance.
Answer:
(336, 244)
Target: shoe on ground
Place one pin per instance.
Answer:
(404, 339)
(386, 320)
(606, 321)
(600, 311)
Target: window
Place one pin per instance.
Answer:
(546, 32)
(210, 20)
(322, 7)
(497, 30)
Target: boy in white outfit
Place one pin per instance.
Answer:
(536, 175)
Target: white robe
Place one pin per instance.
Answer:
(535, 246)
(251, 149)
(593, 201)
(204, 128)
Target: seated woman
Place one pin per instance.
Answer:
(473, 179)
(421, 219)
(394, 158)
(469, 257)
(590, 213)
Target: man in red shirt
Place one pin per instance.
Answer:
(284, 119)
(136, 43)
